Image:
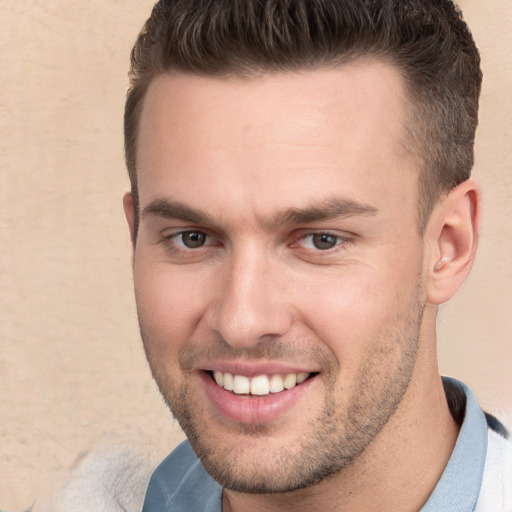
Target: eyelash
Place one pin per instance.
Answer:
(339, 240)
(170, 240)
(171, 243)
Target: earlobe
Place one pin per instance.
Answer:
(453, 228)
(129, 212)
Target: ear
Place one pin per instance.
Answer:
(453, 232)
(129, 212)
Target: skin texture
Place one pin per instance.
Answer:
(256, 167)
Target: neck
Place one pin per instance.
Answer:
(400, 468)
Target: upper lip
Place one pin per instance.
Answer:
(255, 368)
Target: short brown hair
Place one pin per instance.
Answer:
(426, 40)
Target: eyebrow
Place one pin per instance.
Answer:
(325, 210)
(169, 209)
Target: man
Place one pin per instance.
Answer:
(300, 205)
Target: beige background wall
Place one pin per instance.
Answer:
(71, 366)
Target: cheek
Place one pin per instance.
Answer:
(170, 304)
(358, 312)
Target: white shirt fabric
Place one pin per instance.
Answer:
(496, 491)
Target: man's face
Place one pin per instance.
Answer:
(278, 242)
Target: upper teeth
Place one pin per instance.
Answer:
(259, 385)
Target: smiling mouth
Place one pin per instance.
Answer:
(260, 385)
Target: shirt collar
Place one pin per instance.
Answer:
(459, 486)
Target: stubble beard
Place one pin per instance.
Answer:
(332, 441)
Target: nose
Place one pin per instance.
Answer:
(250, 302)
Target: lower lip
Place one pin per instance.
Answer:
(250, 409)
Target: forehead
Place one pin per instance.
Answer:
(208, 140)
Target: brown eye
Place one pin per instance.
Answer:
(324, 241)
(192, 239)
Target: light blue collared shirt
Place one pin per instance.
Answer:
(459, 486)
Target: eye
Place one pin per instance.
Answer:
(321, 241)
(191, 239)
